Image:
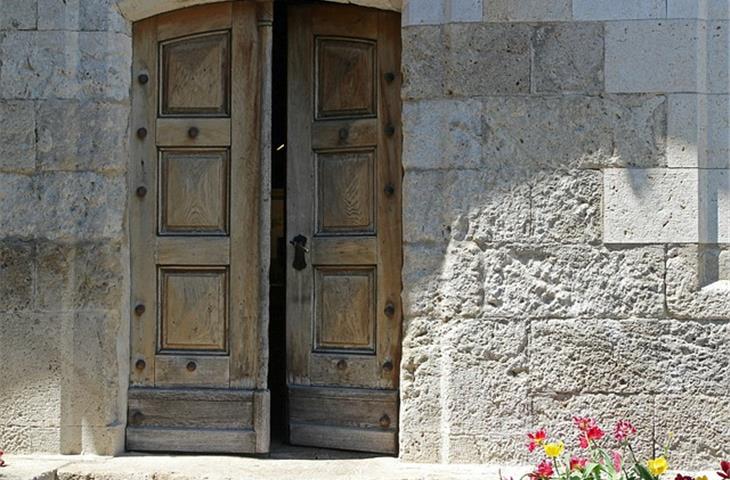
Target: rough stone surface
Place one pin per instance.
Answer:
(690, 293)
(568, 58)
(488, 59)
(18, 14)
(71, 133)
(650, 205)
(424, 73)
(17, 137)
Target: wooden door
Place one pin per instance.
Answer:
(344, 222)
(197, 375)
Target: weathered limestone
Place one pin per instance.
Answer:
(650, 205)
(17, 139)
(526, 10)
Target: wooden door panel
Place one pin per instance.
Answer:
(344, 312)
(195, 76)
(194, 192)
(194, 311)
(345, 188)
(345, 77)
(343, 290)
(196, 378)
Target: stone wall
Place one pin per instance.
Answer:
(566, 225)
(64, 113)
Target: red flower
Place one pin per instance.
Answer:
(683, 477)
(2, 462)
(584, 423)
(536, 439)
(593, 433)
(543, 471)
(623, 431)
(577, 463)
(724, 466)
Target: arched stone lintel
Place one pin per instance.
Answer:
(134, 10)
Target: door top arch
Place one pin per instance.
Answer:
(134, 10)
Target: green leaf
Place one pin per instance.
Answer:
(644, 473)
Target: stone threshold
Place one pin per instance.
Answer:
(213, 467)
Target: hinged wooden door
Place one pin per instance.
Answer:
(344, 220)
(197, 380)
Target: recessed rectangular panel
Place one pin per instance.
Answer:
(193, 313)
(344, 309)
(193, 192)
(345, 200)
(345, 77)
(195, 75)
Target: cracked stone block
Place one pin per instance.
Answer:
(650, 205)
(568, 58)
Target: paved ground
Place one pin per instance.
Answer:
(312, 465)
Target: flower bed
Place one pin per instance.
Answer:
(600, 457)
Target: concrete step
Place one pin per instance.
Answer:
(210, 467)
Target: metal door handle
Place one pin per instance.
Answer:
(300, 248)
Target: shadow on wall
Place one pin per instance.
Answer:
(520, 313)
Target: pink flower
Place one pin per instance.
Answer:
(2, 462)
(724, 466)
(577, 463)
(616, 460)
(536, 439)
(623, 431)
(543, 471)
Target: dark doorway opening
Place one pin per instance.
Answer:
(277, 292)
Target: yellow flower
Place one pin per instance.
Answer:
(657, 466)
(554, 450)
(701, 477)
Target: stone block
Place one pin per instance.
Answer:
(81, 15)
(62, 64)
(76, 135)
(464, 10)
(698, 424)
(475, 205)
(565, 207)
(556, 412)
(80, 206)
(714, 208)
(501, 447)
(568, 57)
(628, 356)
(17, 136)
(530, 281)
(16, 275)
(718, 132)
(420, 387)
(424, 62)
(419, 446)
(650, 206)
(422, 266)
(526, 134)
(488, 59)
(618, 9)
(31, 393)
(442, 134)
(486, 379)
(526, 10)
(702, 9)
(690, 293)
(17, 14)
(80, 276)
(18, 204)
(424, 12)
(698, 131)
(694, 51)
